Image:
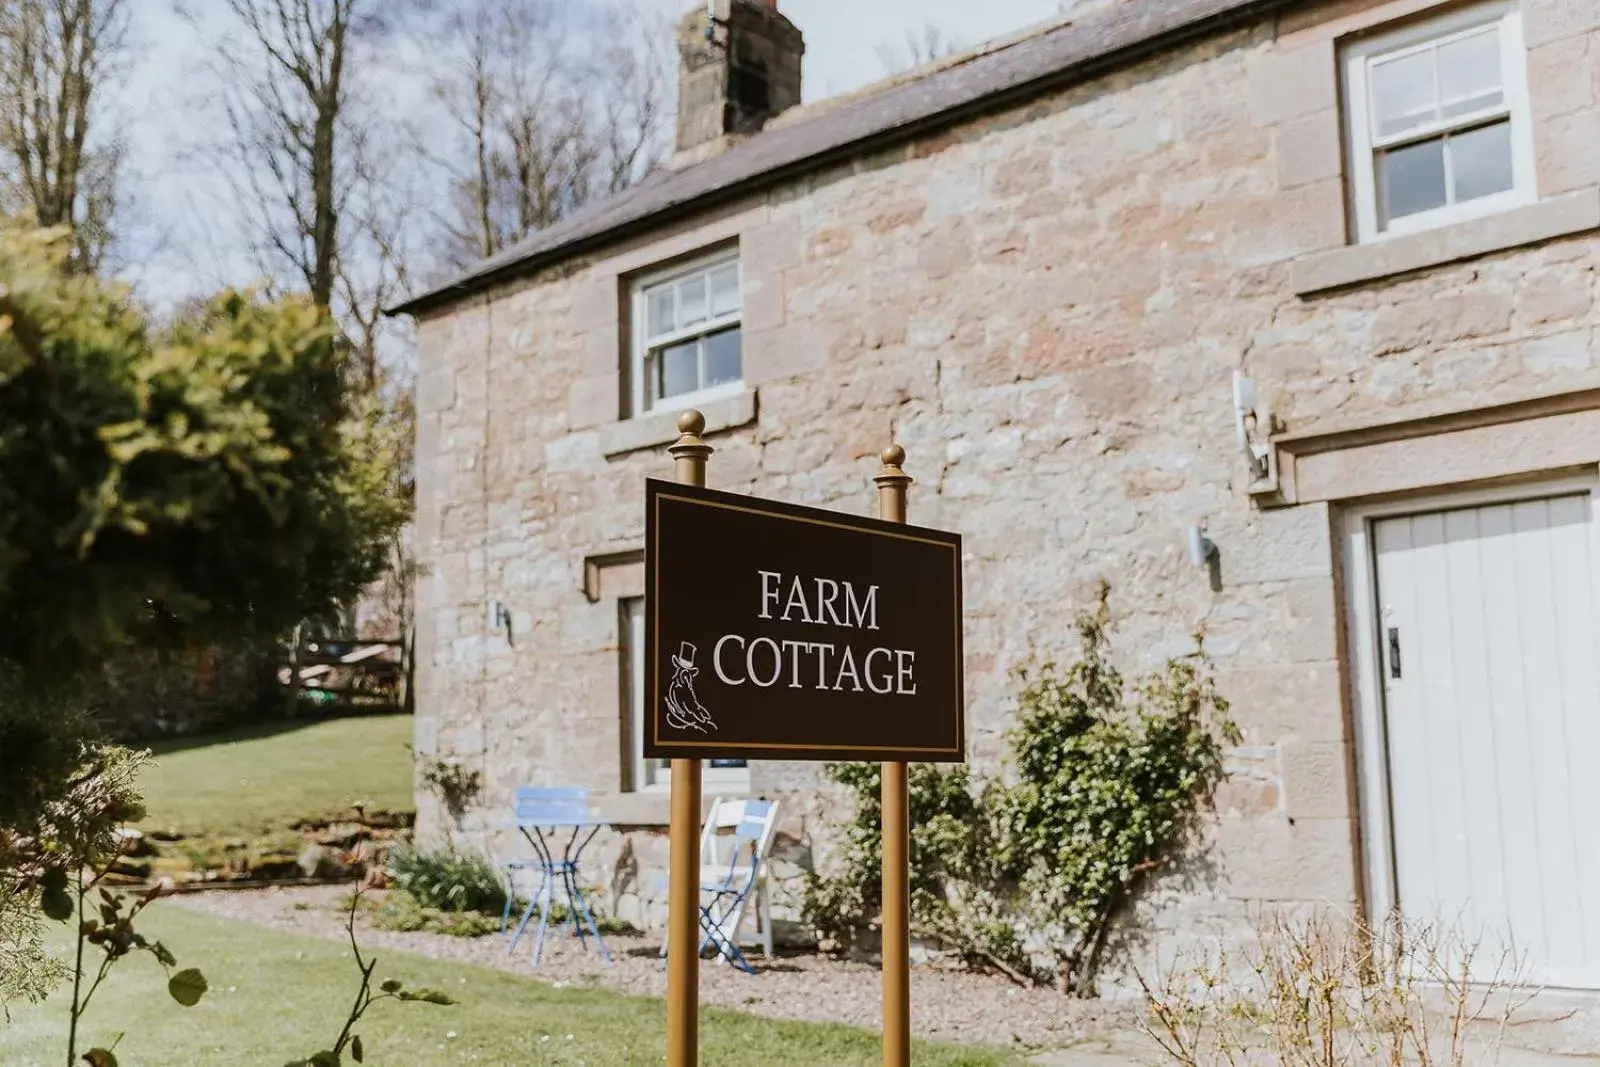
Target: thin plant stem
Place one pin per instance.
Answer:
(364, 994)
(105, 969)
(77, 978)
(364, 997)
(80, 1004)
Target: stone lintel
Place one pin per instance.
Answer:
(613, 574)
(1543, 435)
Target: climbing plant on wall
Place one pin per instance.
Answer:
(1106, 782)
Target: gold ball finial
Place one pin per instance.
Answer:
(893, 456)
(691, 422)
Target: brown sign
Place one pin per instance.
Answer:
(774, 631)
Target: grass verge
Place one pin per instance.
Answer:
(264, 778)
(277, 996)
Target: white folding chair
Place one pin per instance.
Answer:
(732, 826)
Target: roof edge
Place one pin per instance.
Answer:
(1127, 33)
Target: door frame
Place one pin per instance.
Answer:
(1369, 716)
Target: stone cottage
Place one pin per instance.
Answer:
(1318, 278)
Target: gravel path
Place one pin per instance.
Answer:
(951, 1005)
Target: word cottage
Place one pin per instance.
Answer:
(802, 664)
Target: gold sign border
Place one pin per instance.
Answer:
(960, 747)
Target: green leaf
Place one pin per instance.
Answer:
(355, 1048)
(100, 1057)
(187, 986)
(391, 985)
(324, 1059)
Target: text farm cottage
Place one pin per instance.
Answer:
(835, 665)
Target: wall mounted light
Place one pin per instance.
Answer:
(1201, 547)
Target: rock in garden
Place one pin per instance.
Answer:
(315, 862)
(134, 843)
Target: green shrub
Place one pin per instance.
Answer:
(952, 852)
(1111, 782)
(449, 881)
(162, 487)
(404, 912)
(1106, 784)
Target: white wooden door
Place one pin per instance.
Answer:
(1487, 643)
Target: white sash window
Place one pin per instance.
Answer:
(1438, 122)
(686, 345)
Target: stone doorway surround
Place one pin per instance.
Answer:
(1357, 469)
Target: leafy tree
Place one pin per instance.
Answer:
(214, 477)
(211, 478)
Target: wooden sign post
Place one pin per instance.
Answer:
(774, 631)
(689, 456)
(892, 483)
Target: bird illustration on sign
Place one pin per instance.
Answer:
(684, 710)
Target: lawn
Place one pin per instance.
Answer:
(277, 996)
(265, 777)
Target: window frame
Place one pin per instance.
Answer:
(645, 775)
(640, 342)
(1364, 144)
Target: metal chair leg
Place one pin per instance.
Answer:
(764, 917)
(546, 890)
(526, 915)
(725, 946)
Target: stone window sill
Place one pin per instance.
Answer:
(661, 427)
(652, 807)
(644, 809)
(1558, 216)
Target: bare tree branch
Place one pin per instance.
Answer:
(56, 59)
(920, 48)
(551, 108)
(297, 154)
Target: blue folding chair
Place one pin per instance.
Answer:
(537, 810)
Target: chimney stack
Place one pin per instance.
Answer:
(735, 78)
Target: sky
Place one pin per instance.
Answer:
(176, 212)
(842, 36)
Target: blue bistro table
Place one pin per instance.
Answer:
(543, 817)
